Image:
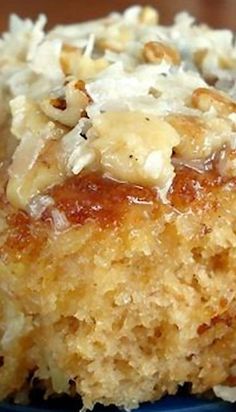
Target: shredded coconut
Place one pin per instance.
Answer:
(59, 220)
(39, 204)
(76, 147)
(47, 61)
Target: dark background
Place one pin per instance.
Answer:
(218, 13)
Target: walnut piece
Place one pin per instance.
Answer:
(155, 52)
(204, 98)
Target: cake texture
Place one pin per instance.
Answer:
(118, 209)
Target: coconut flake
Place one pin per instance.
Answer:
(115, 89)
(37, 36)
(90, 46)
(47, 61)
(28, 151)
(154, 164)
(77, 152)
(60, 221)
(199, 165)
(38, 205)
(116, 85)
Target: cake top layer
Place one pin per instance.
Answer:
(122, 95)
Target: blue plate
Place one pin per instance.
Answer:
(169, 404)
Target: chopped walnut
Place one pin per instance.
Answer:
(80, 85)
(155, 52)
(67, 111)
(59, 103)
(204, 98)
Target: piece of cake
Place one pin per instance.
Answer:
(118, 209)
